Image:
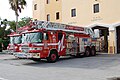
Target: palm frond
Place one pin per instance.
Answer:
(17, 5)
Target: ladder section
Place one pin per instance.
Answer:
(58, 26)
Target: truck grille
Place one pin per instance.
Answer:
(25, 48)
(12, 46)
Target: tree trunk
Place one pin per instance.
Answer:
(16, 13)
(16, 23)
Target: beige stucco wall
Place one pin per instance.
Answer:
(53, 7)
(39, 14)
(43, 9)
(111, 42)
(109, 12)
(84, 13)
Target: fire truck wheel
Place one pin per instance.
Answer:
(53, 57)
(87, 52)
(93, 51)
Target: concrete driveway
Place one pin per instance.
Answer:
(100, 67)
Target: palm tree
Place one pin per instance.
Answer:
(17, 6)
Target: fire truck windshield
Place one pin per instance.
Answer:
(15, 39)
(34, 37)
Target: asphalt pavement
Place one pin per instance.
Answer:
(100, 67)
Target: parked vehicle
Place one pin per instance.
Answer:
(15, 41)
(48, 40)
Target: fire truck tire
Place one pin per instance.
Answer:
(87, 52)
(93, 51)
(53, 57)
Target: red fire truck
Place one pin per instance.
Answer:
(15, 41)
(48, 40)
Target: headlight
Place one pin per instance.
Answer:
(8, 47)
(20, 48)
(16, 47)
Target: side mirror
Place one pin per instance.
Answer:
(96, 33)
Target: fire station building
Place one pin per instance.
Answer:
(103, 15)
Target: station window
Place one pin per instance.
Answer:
(47, 1)
(57, 16)
(73, 12)
(96, 8)
(35, 7)
(48, 17)
(60, 35)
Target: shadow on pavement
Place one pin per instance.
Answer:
(101, 61)
(114, 78)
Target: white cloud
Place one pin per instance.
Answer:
(6, 12)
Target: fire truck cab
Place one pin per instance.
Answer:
(15, 41)
(49, 41)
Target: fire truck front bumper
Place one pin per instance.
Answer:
(27, 55)
(10, 51)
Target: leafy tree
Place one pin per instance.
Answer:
(3, 34)
(4, 39)
(12, 25)
(17, 6)
(24, 21)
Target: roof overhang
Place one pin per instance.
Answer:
(98, 24)
(104, 25)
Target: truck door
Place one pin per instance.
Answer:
(61, 43)
(82, 44)
(45, 40)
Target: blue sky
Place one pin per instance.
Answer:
(6, 12)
